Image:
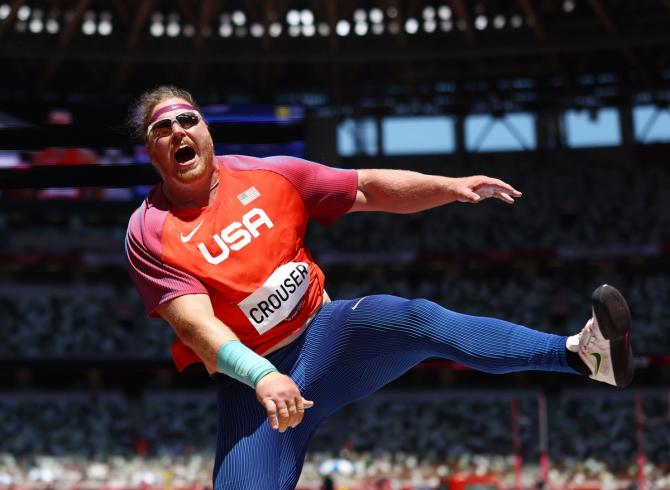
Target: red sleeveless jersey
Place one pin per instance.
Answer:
(245, 250)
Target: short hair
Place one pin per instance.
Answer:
(141, 110)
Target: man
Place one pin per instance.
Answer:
(217, 250)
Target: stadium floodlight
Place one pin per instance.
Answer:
(105, 25)
(429, 13)
(499, 21)
(4, 11)
(225, 30)
(257, 30)
(568, 6)
(173, 28)
(157, 29)
(444, 12)
(361, 28)
(446, 25)
(324, 29)
(52, 26)
(359, 15)
(429, 25)
(378, 29)
(392, 12)
(89, 26)
(481, 22)
(23, 13)
(411, 26)
(294, 31)
(275, 29)
(516, 21)
(36, 25)
(239, 18)
(342, 28)
(394, 28)
(307, 17)
(293, 17)
(188, 30)
(376, 16)
(308, 30)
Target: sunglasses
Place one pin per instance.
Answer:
(163, 127)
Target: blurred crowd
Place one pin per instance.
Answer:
(83, 319)
(414, 438)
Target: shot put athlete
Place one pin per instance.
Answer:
(217, 250)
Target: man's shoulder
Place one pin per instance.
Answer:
(146, 222)
(279, 163)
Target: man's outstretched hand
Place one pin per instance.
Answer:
(479, 187)
(282, 401)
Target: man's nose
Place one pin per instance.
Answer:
(177, 130)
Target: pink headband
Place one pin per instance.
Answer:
(169, 108)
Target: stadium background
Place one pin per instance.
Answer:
(565, 99)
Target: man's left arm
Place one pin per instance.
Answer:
(404, 191)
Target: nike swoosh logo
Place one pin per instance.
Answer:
(598, 361)
(186, 238)
(357, 302)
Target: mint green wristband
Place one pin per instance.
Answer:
(241, 363)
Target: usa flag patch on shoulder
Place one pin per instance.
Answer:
(249, 195)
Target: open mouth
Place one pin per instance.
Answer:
(184, 155)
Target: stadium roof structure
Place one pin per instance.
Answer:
(452, 55)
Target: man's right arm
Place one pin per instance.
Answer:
(193, 320)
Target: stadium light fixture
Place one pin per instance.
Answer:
(429, 13)
(239, 18)
(23, 13)
(342, 28)
(307, 17)
(294, 31)
(411, 26)
(188, 30)
(444, 12)
(429, 25)
(105, 25)
(4, 11)
(446, 25)
(275, 29)
(324, 29)
(394, 28)
(257, 30)
(360, 16)
(392, 12)
(89, 26)
(376, 16)
(361, 28)
(481, 22)
(378, 29)
(36, 25)
(499, 21)
(308, 30)
(52, 26)
(568, 6)
(516, 21)
(293, 17)
(225, 30)
(157, 29)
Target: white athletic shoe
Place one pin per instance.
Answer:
(603, 344)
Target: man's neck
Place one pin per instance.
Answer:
(193, 195)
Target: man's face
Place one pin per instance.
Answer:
(182, 154)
